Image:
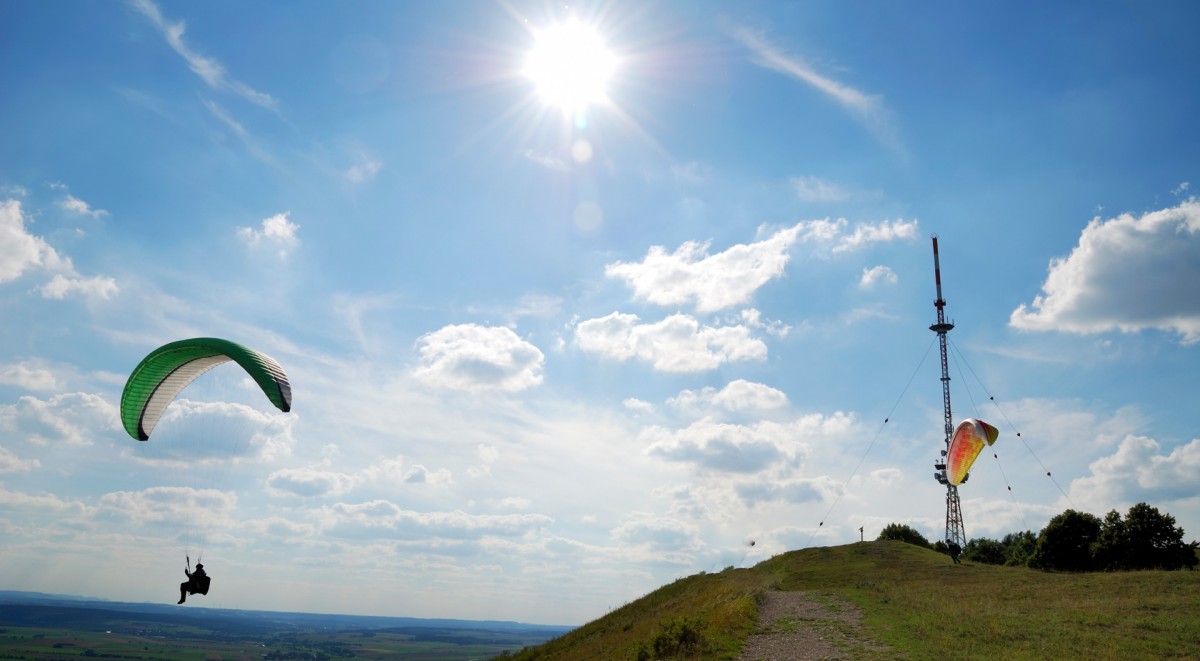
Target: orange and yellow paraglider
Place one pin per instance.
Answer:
(969, 439)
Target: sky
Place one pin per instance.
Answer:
(554, 345)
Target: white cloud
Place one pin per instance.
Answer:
(23, 375)
(660, 534)
(70, 418)
(801, 490)
(676, 344)
(729, 278)
(11, 463)
(364, 171)
(816, 189)
(724, 447)
(201, 507)
(276, 231)
(61, 286)
(637, 405)
(754, 319)
(309, 482)
(885, 231)
(20, 250)
(76, 205)
(738, 395)
(712, 282)
(547, 161)
(1127, 273)
(877, 274)
(209, 69)
(385, 520)
(474, 357)
(1140, 470)
(396, 471)
(185, 434)
(867, 108)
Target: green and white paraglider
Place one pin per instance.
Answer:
(160, 378)
(169, 369)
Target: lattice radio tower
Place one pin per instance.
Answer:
(954, 523)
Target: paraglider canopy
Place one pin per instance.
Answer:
(167, 370)
(969, 439)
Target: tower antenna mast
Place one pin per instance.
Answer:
(954, 524)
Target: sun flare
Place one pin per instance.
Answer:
(570, 65)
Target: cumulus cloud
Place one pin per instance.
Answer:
(95, 287)
(712, 282)
(68, 418)
(869, 109)
(723, 447)
(396, 471)
(1139, 470)
(658, 534)
(738, 395)
(678, 343)
(474, 357)
(789, 491)
(20, 250)
(208, 69)
(27, 376)
(717, 281)
(309, 482)
(276, 231)
(11, 463)
(638, 405)
(76, 205)
(202, 507)
(246, 434)
(1128, 274)
(876, 275)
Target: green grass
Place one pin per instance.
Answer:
(919, 604)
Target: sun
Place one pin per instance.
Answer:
(570, 65)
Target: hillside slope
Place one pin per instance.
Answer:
(915, 602)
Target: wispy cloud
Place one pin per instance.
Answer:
(867, 108)
(209, 69)
(363, 171)
(76, 205)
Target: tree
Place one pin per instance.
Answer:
(982, 549)
(1145, 539)
(1019, 548)
(904, 533)
(1066, 542)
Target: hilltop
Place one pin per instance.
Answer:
(901, 601)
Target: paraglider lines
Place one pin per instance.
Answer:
(1011, 426)
(871, 445)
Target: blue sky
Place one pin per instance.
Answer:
(547, 360)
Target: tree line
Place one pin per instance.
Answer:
(1078, 541)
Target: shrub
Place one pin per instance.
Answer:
(904, 533)
(982, 549)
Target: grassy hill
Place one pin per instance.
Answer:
(916, 602)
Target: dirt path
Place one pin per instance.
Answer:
(803, 626)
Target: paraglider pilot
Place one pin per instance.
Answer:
(197, 582)
(953, 547)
